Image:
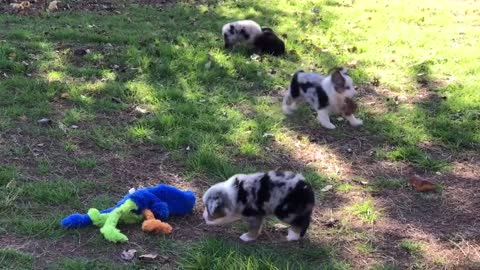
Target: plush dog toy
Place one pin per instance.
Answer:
(151, 204)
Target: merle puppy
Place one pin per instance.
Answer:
(325, 94)
(262, 40)
(251, 197)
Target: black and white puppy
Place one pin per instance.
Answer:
(262, 40)
(244, 31)
(325, 94)
(267, 42)
(252, 197)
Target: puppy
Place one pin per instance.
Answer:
(325, 94)
(240, 32)
(267, 42)
(251, 197)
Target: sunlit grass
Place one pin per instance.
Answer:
(365, 211)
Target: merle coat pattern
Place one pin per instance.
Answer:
(240, 32)
(251, 197)
(261, 40)
(325, 94)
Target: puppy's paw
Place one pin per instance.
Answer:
(293, 236)
(328, 125)
(356, 123)
(247, 238)
(287, 111)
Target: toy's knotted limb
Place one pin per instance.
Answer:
(151, 224)
(109, 230)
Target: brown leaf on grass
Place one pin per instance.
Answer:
(128, 254)
(23, 118)
(421, 184)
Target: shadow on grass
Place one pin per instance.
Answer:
(406, 137)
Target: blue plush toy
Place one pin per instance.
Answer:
(154, 203)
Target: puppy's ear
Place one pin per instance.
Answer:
(216, 206)
(338, 81)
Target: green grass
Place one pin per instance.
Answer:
(86, 264)
(365, 211)
(7, 174)
(384, 267)
(85, 163)
(214, 253)
(209, 110)
(56, 192)
(412, 247)
(13, 259)
(418, 157)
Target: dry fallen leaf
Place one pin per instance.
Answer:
(148, 257)
(65, 95)
(326, 188)
(421, 184)
(352, 64)
(140, 110)
(45, 122)
(332, 222)
(128, 254)
(23, 118)
(280, 226)
(53, 6)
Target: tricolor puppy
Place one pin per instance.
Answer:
(252, 197)
(268, 42)
(325, 94)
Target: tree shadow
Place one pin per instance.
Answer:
(370, 150)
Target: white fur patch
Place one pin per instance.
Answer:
(251, 28)
(309, 83)
(247, 238)
(293, 236)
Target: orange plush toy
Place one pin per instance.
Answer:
(151, 224)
